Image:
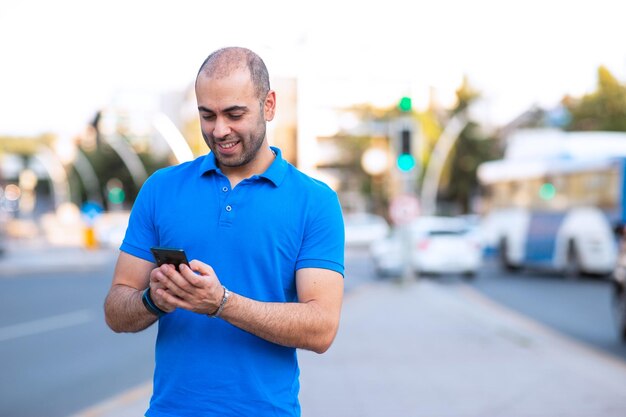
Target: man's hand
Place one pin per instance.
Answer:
(195, 288)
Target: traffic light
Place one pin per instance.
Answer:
(405, 161)
(115, 191)
(547, 191)
(405, 104)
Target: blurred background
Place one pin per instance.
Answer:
(482, 139)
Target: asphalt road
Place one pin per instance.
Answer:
(578, 308)
(56, 354)
(58, 357)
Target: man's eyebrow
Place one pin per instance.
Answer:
(226, 110)
(236, 108)
(204, 109)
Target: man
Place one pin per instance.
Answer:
(266, 243)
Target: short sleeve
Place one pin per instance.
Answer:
(324, 241)
(141, 232)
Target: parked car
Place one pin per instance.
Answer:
(436, 245)
(364, 228)
(619, 288)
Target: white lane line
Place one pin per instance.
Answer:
(60, 321)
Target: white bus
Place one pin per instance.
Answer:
(555, 201)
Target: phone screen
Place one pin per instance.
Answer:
(170, 256)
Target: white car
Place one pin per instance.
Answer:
(430, 245)
(364, 228)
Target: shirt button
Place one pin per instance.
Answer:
(225, 189)
(228, 208)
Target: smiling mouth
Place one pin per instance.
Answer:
(227, 146)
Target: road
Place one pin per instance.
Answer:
(578, 308)
(56, 354)
(58, 357)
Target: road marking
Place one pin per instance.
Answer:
(133, 402)
(45, 325)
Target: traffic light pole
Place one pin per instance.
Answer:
(404, 207)
(408, 272)
(407, 167)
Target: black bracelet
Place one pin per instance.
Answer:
(150, 306)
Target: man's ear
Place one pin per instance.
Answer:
(269, 107)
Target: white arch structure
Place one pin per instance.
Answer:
(56, 171)
(175, 140)
(432, 176)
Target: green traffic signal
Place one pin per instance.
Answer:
(405, 162)
(547, 191)
(405, 104)
(116, 195)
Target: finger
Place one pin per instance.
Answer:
(156, 293)
(167, 301)
(201, 268)
(196, 278)
(173, 281)
(155, 274)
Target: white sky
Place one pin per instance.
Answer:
(62, 60)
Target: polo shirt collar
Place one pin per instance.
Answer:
(275, 173)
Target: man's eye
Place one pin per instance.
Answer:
(208, 116)
(235, 116)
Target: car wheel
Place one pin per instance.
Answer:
(619, 311)
(505, 262)
(573, 268)
(469, 275)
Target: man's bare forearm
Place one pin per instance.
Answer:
(124, 311)
(300, 325)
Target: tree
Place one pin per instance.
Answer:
(472, 148)
(603, 109)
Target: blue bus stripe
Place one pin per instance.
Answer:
(543, 228)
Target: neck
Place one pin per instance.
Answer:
(257, 166)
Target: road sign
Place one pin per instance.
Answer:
(404, 208)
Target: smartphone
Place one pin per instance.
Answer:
(170, 256)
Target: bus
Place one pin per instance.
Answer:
(556, 200)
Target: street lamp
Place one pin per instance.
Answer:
(375, 161)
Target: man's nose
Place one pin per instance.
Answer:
(221, 127)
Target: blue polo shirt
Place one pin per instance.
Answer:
(255, 236)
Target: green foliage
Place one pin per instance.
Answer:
(108, 165)
(604, 109)
(465, 95)
(472, 148)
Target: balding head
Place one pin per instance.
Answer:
(223, 62)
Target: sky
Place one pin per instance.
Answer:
(62, 60)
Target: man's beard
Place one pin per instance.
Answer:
(250, 149)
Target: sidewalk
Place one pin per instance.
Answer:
(38, 257)
(422, 349)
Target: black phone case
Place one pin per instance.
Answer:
(169, 256)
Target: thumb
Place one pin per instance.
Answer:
(201, 268)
